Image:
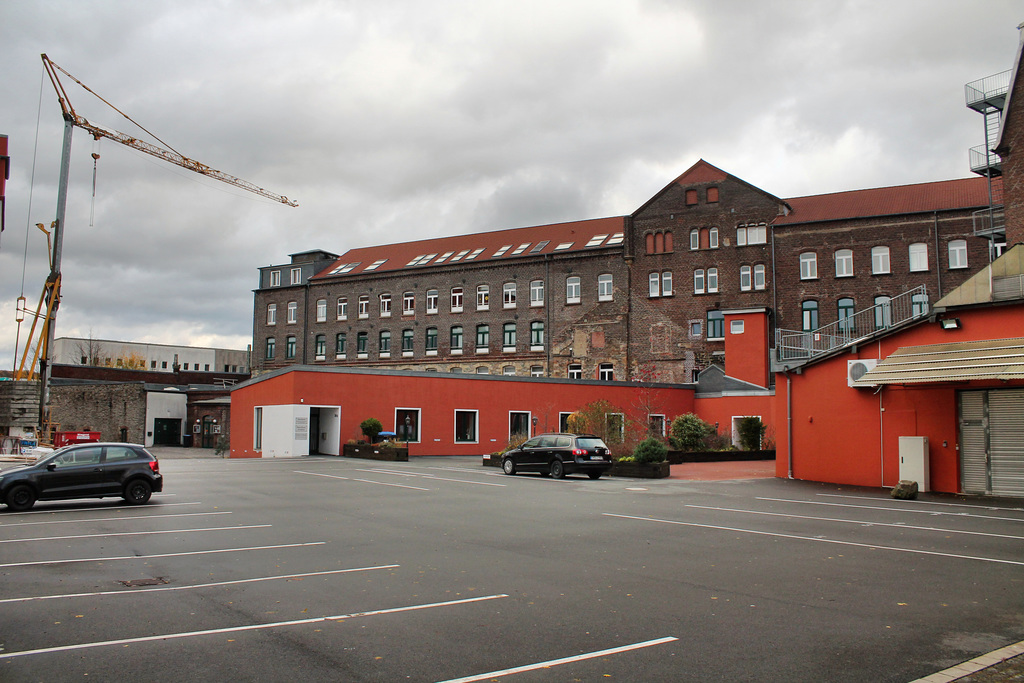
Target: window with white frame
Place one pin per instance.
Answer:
(275, 278)
(746, 278)
(919, 304)
(809, 312)
(483, 297)
(575, 371)
(713, 238)
(537, 335)
(654, 284)
(271, 314)
(431, 341)
(957, 254)
(808, 265)
(656, 425)
(457, 297)
(572, 290)
(342, 308)
(362, 344)
(615, 427)
(666, 283)
(483, 338)
(537, 293)
(293, 312)
(760, 281)
(321, 310)
(844, 263)
(432, 301)
(879, 260)
(694, 239)
(364, 306)
(606, 372)
(339, 345)
(296, 276)
(716, 325)
(407, 424)
(712, 279)
(385, 305)
(883, 312)
(289, 347)
(320, 346)
(408, 340)
(508, 295)
(698, 281)
(604, 287)
(508, 338)
(466, 426)
(751, 233)
(408, 303)
(536, 371)
(918, 253)
(508, 370)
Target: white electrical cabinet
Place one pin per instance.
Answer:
(914, 460)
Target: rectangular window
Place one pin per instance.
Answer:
(712, 279)
(759, 278)
(483, 338)
(321, 310)
(666, 283)
(606, 372)
(716, 325)
(919, 304)
(508, 295)
(293, 312)
(694, 239)
(508, 339)
(696, 329)
(361, 344)
(320, 347)
(296, 276)
(537, 293)
(339, 345)
(431, 301)
(653, 285)
(572, 290)
(456, 299)
(407, 424)
(409, 303)
(385, 305)
(289, 348)
(537, 336)
(604, 287)
(712, 234)
(407, 342)
(957, 254)
(271, 347)
(456, 339)
(257, 428)
(918, 257)
(698, 281)
(879, 260)
(275, 278)
(575, 371)
(741, 237)
(271, 315)
(536, 371)
(745, 279)
(364, 306)
(615, 424)
(810, 315)
(431, 341)
(656, 425)
(465, 426)
(384, 345)
(342, 308)
(518, 425)
(483, 297)
(844, 263)
(808, 266)
(845, 310)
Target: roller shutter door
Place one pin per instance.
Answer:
(992, 442)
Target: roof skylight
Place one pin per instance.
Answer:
(476, 252)
(375, 265)
(415, 260)
(564, 245)
(501, 252)
(459, 256)
(596, 240)
(614, 240)
(520, 249)
(346, 268)
(444, 257)
(540, 245)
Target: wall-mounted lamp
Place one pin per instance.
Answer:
(950, 323)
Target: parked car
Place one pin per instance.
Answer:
(88, 470)
(560, 454)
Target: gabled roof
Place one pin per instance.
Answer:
(700, 173)
(1002, 145)
(557, 238)
(945, 195)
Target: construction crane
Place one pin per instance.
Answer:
(49, 302)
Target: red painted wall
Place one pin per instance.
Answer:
(850, 435)
(747, 353)
(723, 409)
(363, 395)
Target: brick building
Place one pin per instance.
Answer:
(637, 296)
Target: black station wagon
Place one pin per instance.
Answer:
(560, 454)
(88, 470)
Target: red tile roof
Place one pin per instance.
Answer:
(460, 248)
(946, 195)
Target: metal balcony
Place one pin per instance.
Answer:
(791, 345)
(989, 93)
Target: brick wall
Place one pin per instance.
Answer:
(106, 408)
(1012, 152)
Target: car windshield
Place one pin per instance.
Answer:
(590, 442)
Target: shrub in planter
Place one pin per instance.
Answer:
(751, 429)
(371, 427)
(650, 450)
(689, 431)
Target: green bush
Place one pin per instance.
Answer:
(751, 429)
(689, 432)
(650, 450)
(371, 427)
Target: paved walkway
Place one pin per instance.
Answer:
(721, 471)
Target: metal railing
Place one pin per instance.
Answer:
(902, 308)
(988, 91)
(985, 161)
(987, 222)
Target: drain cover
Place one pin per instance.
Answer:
(135, 583)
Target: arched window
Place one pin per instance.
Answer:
(844, 263)
(879, 260)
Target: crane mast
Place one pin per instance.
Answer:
(50, 300)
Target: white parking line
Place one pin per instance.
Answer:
(249, 627)
(925, 502)
(133, 533)
(873, 546)
(432, 477)
(365, 481)
(893, 509)
(859, 522)
(121, 506)
(110, 519)
(135, 591)
(148, 557)
(564, 660)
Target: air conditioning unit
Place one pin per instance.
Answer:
(855, 369)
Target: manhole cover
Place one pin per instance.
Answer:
(135, 583)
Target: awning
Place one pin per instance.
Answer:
(1001, 359)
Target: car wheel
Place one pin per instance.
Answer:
(594, 475)
(557, 469)
(21, 498)
(508, 466)
(138, 491)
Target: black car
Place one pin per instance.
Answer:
(559, 454)
(88, 470)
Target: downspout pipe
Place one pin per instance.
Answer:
(789, 423)
(938, 269)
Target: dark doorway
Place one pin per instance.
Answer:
(166, 432)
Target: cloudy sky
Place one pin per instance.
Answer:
(392, 120)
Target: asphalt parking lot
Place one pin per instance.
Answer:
(442, 570)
